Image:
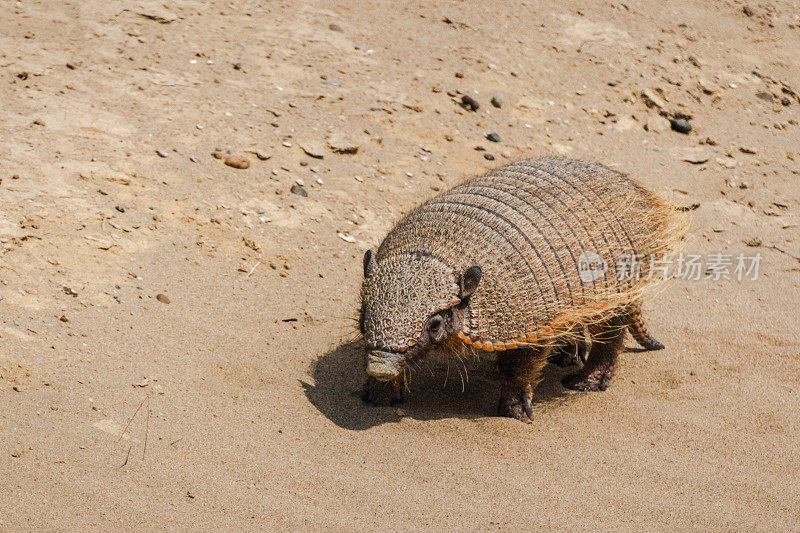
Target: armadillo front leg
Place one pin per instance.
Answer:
(377, 392)
(520, 371)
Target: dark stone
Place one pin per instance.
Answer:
(785, 101)
(469, 103)
(681, 125)
(495, 138)
(299, 190)
(497, 102)
(237, 66)
(120, 209)
(490, 157)
(335, 27)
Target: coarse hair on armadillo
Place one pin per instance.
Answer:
(531, 227)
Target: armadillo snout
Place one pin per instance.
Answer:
(384, 366)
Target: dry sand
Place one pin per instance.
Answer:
(250, 375)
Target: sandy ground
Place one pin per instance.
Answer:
(245, 386)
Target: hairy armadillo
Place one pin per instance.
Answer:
(516, 262)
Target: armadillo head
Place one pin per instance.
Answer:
(409, 303)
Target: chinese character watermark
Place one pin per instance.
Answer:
(688, 266)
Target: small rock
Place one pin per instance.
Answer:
(495, 138)
(120, 208)
(312, 149)
(448, 137)
(70, 292)
(335, 27)
(217, 154)
(193, 159)
(64, 318)
(747, 150)
(237, 161)
(653, 99)
(159, 14)
(299, 190)
(765, 96)
(695, 155)
(237, 66)
(343, 145)
(681, 125)
(345, 237)
(262, 153)
(469, 103)
(497, 102)
(785, 101)
(459, 75)
(162, 298)
(162, 153)
(705, 86)
(489, 157)
(755, 242)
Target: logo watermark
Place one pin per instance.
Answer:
(713, 266)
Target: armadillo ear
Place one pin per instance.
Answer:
(469, 280)
(369, 262)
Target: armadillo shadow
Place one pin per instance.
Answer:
(439, 389)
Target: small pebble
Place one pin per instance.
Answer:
(496, 102)
(459, 75)
(237, 66)
(299, 190)
(193, 159)
(469, 103)
(120, 208)
(335, 27)
(680, 125)
(237, 161)
(216, 154)
(64, 318)
(785, 101)
(162, 298)
(495, 138)
(490, 157)
(162, 153)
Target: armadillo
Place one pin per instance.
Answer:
(515, 262)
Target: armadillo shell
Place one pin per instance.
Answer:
(527, 225)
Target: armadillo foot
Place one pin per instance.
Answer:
(596, 379)
(514, 403)
(382, 393)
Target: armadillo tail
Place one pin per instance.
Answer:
(639, 330)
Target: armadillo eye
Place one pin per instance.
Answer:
(434, 323)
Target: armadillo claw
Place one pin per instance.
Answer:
(382, 393)
(526, 404)
(515, 402)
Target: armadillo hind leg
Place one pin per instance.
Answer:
(520, 371)
(377, 392)
(607, 342)
(639, 330)
(574, 350)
